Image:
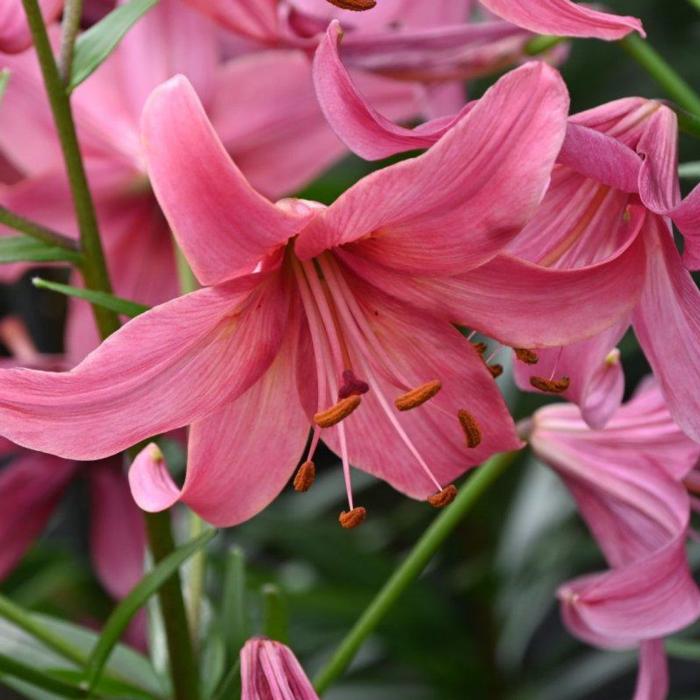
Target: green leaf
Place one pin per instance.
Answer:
(124, 612)
(24, 248)
(107, 301)
(97, 43)
(691, 171)
(4, 78)
(40, 679)
(128, 675)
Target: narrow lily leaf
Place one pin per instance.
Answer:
(96, 44)
(107, 301)
(4, 77)
(691, 171)
(23, 248)
(40, 679)
(688, 649)
(275, 623)
(122, 615)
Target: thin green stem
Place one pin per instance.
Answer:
(196, 577)
(94, 270)
(41, 233)
(542, 44)
(183, 668)
(412, 567)
(23, 620)
(691, 171)
(72, 11)
(664, 74)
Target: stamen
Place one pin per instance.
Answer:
(529, 357)
(355, 5)
(353, 518)
(551, 386)
(444, 497)
(496, 370)
(352, 385)
(481, 348)
(418, 396)
(471, 427)
(305, 477)
(333, 415)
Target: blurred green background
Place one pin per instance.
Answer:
(483, 621)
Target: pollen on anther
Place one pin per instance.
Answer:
(355, 5)
(419, 395)
(481, 348)
(305, 477)
(333, 415)
(443, 498)
(529, 357)
(496, 370)
(551, 386)
(471, 427)
(353, 518)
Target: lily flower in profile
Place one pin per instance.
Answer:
(14, 31)
(270, 671)
(629, 483)
(315, 316)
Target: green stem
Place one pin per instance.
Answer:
(23, 620)
(196, 577)
(412, 567)
(31, 228)
(690, 171)
(666, 76)
(94, 270)
(542, 44)
(72, 11)
(183, 668)
(695, 4)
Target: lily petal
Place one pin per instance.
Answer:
(468, 196)
(253, 19)
(564, 18)
(30, 489)
(14, 32)
(176, 363)
(421, 348)
(222, 224)
(117, 537)
(667, 324)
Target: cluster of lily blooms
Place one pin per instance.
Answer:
(538, 231)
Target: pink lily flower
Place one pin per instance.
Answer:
(14, 32)
(616, 180)
(244, 97)
(269, 669)
(628, 483)
(272, 21)
(301, 322)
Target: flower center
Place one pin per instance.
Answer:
(350, 359)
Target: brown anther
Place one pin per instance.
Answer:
(353, 518)
(333, 415)
(481, 348)
(443, 498)
(551, 386)
(305, 477)
(496, 370)
(471, 427)
(419, 395)
(529, 357)
(356, 5)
